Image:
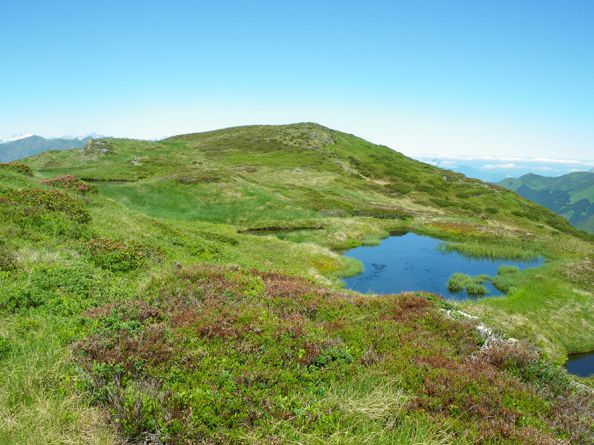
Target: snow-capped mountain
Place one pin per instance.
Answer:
(16, 137)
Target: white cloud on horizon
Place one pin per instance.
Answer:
(504, 159)
(498, 166)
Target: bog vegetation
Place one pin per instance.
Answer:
(137, 305)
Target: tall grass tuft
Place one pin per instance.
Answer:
(508, 251)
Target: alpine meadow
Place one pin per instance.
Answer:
(297, 223)
(188, 291)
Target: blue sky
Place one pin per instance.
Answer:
(508, 78)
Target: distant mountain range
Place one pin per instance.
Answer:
(493, 169)
(19, 147)
(571, 195)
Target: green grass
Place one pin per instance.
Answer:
(145, 308)
(570, 195)
(40, 391)
(543, 307)
(472, 285)
(492, 250)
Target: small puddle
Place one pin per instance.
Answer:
(414, 262)
(581, 364)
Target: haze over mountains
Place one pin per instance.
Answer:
(22, 146)
(494, 169)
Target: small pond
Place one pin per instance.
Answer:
(581, 364)
(414, 262)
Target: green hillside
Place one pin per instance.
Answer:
(261, 176)
(140, 303)
(571, 195)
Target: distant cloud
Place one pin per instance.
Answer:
(498, 166)
(443, 158)
(16, 137)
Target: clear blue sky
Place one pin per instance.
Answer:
(449, 77)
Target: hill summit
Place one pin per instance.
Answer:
(258, 175)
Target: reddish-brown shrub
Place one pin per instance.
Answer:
(506, 354)
(311, 354)
(67, 182)
(410, 306)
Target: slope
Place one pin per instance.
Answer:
(261, 176)
(149, 330)
(154, 304)
(571, 195)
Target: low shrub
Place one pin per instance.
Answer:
(60, 289)
(116, 256)
(67, 182)
(219, 354)
(8, 260)
(508, 355)
(398, 189)
(30, 205)
(382, 213)
(17, 167)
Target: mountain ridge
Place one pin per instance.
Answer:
(12, 150)
(570, 195)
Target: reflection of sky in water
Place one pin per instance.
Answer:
(581, 364)
(413, 262)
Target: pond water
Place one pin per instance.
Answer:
(581, 364)
(414, 262)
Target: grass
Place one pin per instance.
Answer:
(472, 285)
(39, 400)
(147, 311)
(492, 250)
(543, 307)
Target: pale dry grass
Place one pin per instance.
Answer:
(367, 412)
(39, 402)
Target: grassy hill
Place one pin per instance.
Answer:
(256, 176)
(571, 195)
(138, 305)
